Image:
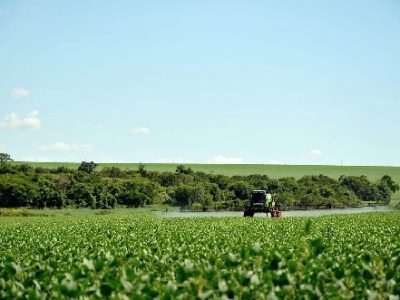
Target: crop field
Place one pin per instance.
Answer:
(139, 256)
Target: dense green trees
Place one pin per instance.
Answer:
(368, 191)
(17, 190)
(241, 189)
(23, 185)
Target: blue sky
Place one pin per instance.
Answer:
(294, 82)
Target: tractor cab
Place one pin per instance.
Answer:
(258, 198)
(261, 202)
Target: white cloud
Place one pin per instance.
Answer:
(316, 152)
(18, 93)
(274, 162)
(222, 159)
(65, 147)
(30, 121)
(2, 147)
(140, 131)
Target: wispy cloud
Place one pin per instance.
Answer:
(2, 147)
(140, 131)
(19, 93)
(66, 147)
(30, 121)
(222, 159)
(316, 152)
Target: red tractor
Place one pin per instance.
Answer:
(262, 202)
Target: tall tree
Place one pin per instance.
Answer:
(5, 157)
(181, 169)
(87, 167)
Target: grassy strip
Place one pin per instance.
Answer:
(20, 213)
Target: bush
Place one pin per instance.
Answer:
(82, 195)
(197, 207)
(133, 198)
(17, 191)
(20, 213)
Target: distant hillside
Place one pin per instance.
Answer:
(273, 171)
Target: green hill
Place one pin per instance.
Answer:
(274, 171)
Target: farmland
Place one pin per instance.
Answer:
(273, 171)
(144, 257)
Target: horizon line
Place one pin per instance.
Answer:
(209, 163)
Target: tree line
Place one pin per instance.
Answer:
(26, 186)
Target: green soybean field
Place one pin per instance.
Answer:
(147, 257)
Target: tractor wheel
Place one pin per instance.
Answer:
(248, 213)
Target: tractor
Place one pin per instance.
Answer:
(262, 202)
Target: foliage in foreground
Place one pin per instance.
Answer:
(353, 256)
